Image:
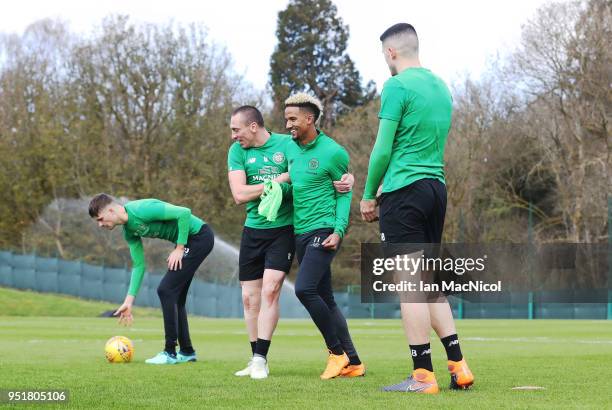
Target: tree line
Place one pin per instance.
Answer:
(142, 110)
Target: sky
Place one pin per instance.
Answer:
(457, 38)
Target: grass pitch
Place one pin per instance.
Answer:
(570, 359)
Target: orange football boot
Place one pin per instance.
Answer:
(335, 364)
(353, 370)
(461, 376)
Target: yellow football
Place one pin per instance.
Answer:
(119, 349)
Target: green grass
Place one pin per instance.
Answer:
(570, 359)
(26, 303)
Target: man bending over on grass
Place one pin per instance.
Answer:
(267, 247)
(152, 218)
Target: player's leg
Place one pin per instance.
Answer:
(444, 325)
(251, 301)
(267, 320)
(279, 251)
(355, 367)
(169, 290)
(251, 270)
(184, 338)
(440, 312)
(403, 219)
(270, 309)
(315, 262)
(172, 291)
(197, 249)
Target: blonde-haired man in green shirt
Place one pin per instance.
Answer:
(320, 220)
(152, 218)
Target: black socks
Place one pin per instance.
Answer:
(421, 356)
(453, 350)
(261, 347)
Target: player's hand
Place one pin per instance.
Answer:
(368, 210)
(125, 314)
(284, 177)
(345, 184)
(331, 242)
(175, 259)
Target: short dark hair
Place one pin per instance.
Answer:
(397, 29)
(307, 106)
(98, 203)
(251, 114)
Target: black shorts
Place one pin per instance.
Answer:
(414, 213)
(261, 249)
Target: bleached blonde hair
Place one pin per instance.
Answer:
(305, 100)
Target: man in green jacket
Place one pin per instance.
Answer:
(152, 218)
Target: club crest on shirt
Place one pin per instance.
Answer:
(278, 157)
(313, 164)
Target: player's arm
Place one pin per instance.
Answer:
(139, 265)
(138, 269)
(241, 192)
(339, 166)
(163, 211)
(380, 157)
(392, 105)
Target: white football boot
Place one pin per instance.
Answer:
(246, 371)
(259, 369)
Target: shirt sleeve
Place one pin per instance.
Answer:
(392, 100)
(380, 157)
(235, 160)
(138, 264)
(163, 211)
(339, 167)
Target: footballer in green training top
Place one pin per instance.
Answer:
(320, 220)
(408, 158)
(194, 240)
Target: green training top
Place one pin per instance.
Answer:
(152, 218)
(261, 164)
(421, 104)
(313, 168)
